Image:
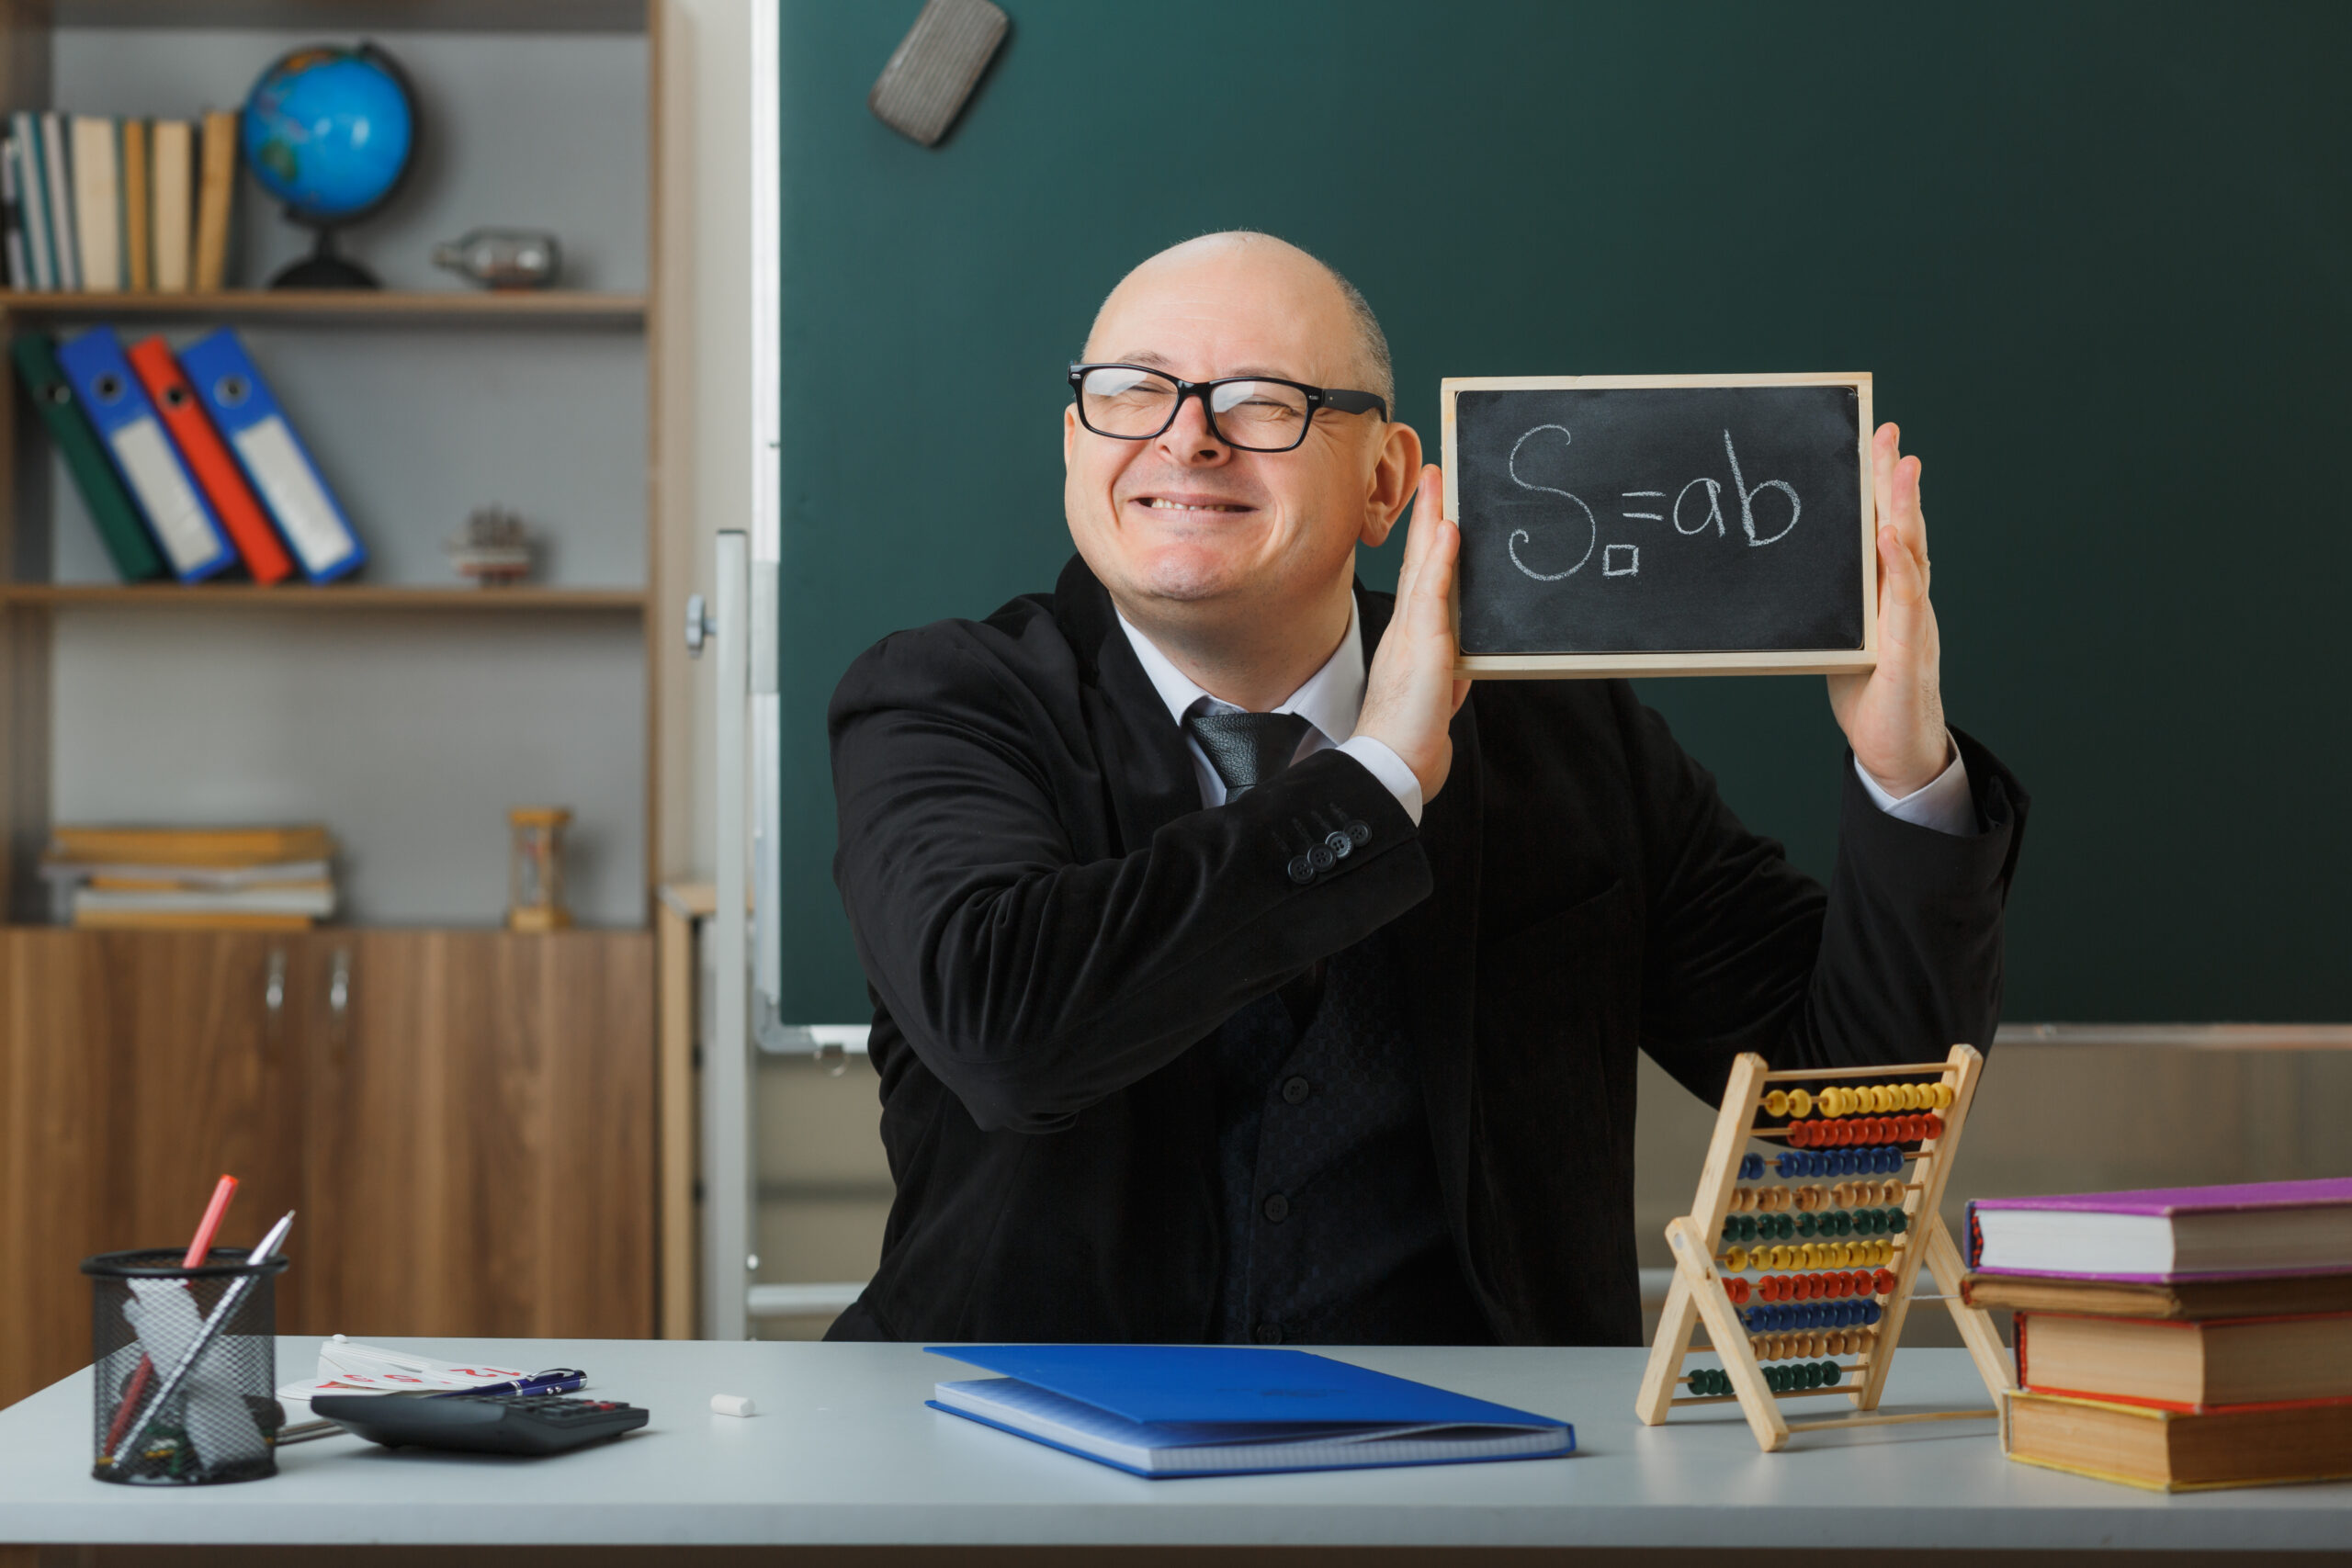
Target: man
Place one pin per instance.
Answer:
(1240, 974)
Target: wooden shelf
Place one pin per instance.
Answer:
(555, 307)
(301, 597)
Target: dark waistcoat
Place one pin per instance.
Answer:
(1334, 1222)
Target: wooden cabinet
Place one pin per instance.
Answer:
(464, 1121)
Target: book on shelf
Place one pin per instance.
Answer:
(2160, 1235)
(208, 457)
(138, 248)
(57, 182)
(2171, 1450)
(98, 201)
(173, 181)
(41, 260)
(112, 511)
(216, 188)
(304, 900)
(217, 848)
(2188, 1365)
(12, 213)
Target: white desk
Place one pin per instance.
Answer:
(844, 1452)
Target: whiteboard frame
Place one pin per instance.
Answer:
(1776, 662)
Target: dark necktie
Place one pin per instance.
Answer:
(1246, 749)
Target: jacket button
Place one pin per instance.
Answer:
(1266, 1334)
(1301, 870)
(1277, 1209)
(1322, 857)
(1360, 831)
(1339, 844)
(1295, 1090)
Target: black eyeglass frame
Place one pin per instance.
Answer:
(1338, 400)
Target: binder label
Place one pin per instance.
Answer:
(295, 496)
(170, 502)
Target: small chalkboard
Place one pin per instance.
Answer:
(1662, 524)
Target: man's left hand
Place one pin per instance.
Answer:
(1894, 717)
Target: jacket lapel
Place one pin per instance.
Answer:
(1147, 772)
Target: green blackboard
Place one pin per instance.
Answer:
(2097, 257)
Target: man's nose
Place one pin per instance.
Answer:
(1190, 438)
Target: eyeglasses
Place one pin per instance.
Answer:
(1255, 414)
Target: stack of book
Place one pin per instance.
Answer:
(248, 878)
(2177, 1338)
(187, 466)
(94, 204)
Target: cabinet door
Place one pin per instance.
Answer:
(480, 1156)
(135, 1068)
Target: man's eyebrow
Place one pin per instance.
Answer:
(1161, 362)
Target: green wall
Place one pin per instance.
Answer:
(2096, 256)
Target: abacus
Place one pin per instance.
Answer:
(1862, 1154)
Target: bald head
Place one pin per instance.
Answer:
(1242, 270)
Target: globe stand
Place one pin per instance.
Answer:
(324, 268)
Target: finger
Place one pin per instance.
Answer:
(1910, 518)
(1425, 528)
(1886, 450)
(1434, 583)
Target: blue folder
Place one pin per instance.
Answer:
(281, 468)
(1161, 1411)
(149, 460)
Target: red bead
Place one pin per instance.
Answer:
(1883, 1283)
(1934, 1125)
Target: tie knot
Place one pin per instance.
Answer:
(1247, 749)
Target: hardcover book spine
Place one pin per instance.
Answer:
(137, 249)
(58, 180)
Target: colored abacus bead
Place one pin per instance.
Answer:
(1832, 1374)
(1776, 1102)
(1800, 1103)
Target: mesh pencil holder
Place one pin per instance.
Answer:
(160, 1419)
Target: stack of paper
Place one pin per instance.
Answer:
(254, 878)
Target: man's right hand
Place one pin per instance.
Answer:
(1410, 695)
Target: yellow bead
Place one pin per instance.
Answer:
(1800, 1103)
(1780, 1258)
(1776, 1103)
(1943, 1096)
(1736, 1260)
(1910, 1096)
(1880, 1103)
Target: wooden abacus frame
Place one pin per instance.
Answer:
(1698, 1290)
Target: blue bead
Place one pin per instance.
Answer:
(1870, 1312)
(1788, 1162)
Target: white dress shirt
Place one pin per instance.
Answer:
(1332, 699)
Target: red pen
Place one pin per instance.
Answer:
(197, 1251)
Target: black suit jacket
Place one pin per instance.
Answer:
(1050, 923)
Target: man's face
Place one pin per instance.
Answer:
(1183, 519)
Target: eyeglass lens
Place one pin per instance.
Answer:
(1261, 416)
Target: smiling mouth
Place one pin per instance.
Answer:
(1157, 504)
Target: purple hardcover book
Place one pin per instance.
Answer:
(2162, 1234)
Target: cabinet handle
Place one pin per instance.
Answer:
(273, 1001)
(339, 997)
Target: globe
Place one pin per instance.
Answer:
(330, 131)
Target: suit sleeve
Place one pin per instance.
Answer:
(1035, 982)
(1896, 960)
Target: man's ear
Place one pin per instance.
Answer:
(1395, 472)
(1070, 433)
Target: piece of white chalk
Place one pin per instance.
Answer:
(733, 1405)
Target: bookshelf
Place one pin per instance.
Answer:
(422, 401)
(382, 1073)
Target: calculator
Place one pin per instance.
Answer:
(482, 1423)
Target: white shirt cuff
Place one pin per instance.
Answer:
(1944, 805)
(1390, 769)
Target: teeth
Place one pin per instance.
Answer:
(1181, 506)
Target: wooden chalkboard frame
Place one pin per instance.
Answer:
(1777, 662)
